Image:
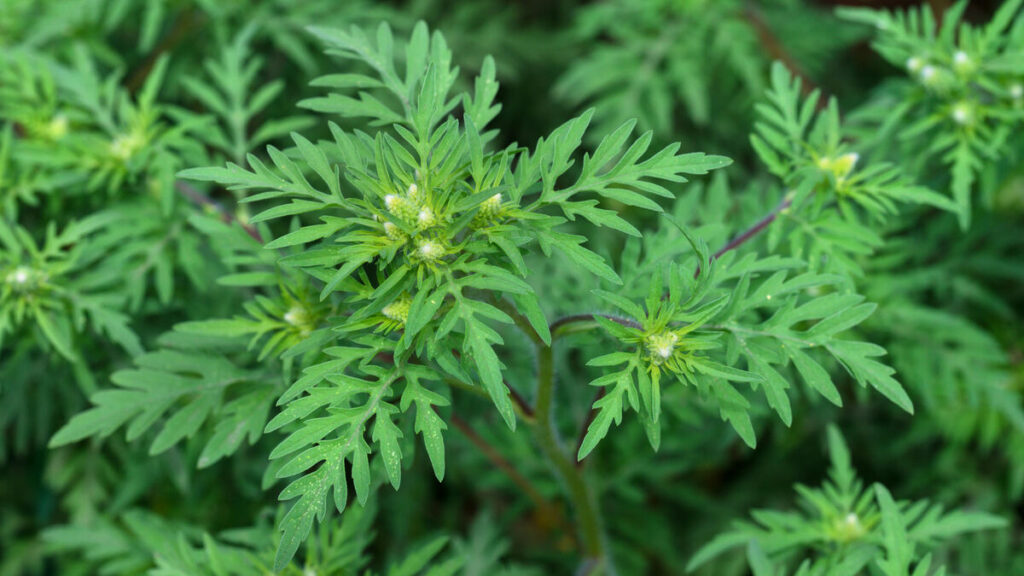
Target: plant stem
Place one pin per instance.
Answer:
(519, 404)
(200, 199)
(584, 504)
(756, 229)
(772, 46)
(179, 33)
(500, 462)
(564, 325)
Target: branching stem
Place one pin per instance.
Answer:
(736, 242)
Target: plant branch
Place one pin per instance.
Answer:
(736, 242)
(584, 504)
(568, 321)
(774, 48)
(754, 230)
(200, 199)
(177, 34)
(502, 463)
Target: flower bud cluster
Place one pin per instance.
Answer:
(839, 167)
(412, 208)
(847, 529)
(124, 146)
(489, 211)
(963, 113)
(301, 319)
(661, 346)
(933, 76)
(53, 130)
(398, 311)
(430, 250)
(23, 279)
(963, 64)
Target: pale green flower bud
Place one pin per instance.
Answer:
(661, 346)
(963, 113)
(430, 251)
(962, 63)
(398, 311)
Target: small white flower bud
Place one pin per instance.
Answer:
(296, 316)
(1017, 91)
(124, 146)
(393, 232)
(839, 167)
(390, 201)
(845, 164)
(962, 113)
(18, 276)
(915, 64)
(425, 217)
(662, 346)
(962, 63)
(430, 250)
(928, 73)
(398, 310)
(414, 194)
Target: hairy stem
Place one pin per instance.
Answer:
(569, 324)
(588, 519)
(756, 229)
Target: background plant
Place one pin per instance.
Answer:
(234, 320)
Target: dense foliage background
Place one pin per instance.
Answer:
(111, 234)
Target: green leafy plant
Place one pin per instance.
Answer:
(226, 326)
(844, 527)
(963, 95)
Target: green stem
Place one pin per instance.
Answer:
(585, 505)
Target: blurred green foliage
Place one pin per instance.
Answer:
(257, 256)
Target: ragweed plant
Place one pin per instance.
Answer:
(962, 97)
(845, 528)
(56, 288)
(263, 317)
(432, 243)
(689, 63)
(420, 249)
